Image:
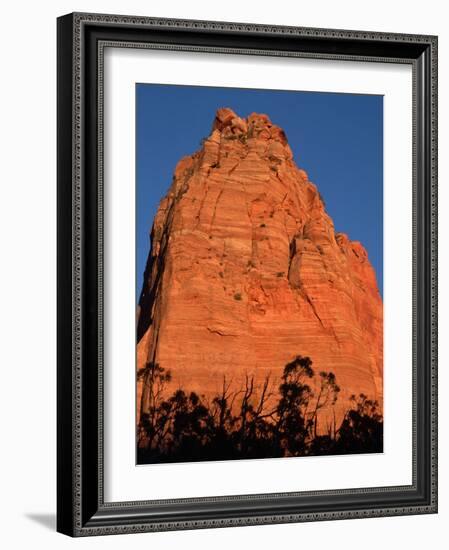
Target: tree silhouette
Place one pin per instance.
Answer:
(291, 426)
(155, 417)
(362, 428)
(253, 421)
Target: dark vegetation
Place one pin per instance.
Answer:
(263, 422)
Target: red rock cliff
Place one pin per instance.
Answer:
(246, 271)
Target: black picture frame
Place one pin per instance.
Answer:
(81, 509)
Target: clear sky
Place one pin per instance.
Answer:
(336, 138)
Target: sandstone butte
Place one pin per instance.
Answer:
(246, 272)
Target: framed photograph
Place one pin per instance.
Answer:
(247, 280)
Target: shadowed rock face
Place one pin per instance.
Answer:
(246, 271)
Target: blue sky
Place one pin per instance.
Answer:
(336, 138)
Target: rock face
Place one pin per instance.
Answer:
(246, 271)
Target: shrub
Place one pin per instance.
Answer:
(245, 423)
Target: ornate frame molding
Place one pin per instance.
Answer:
(81, 41)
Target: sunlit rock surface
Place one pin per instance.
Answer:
(246, 271)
